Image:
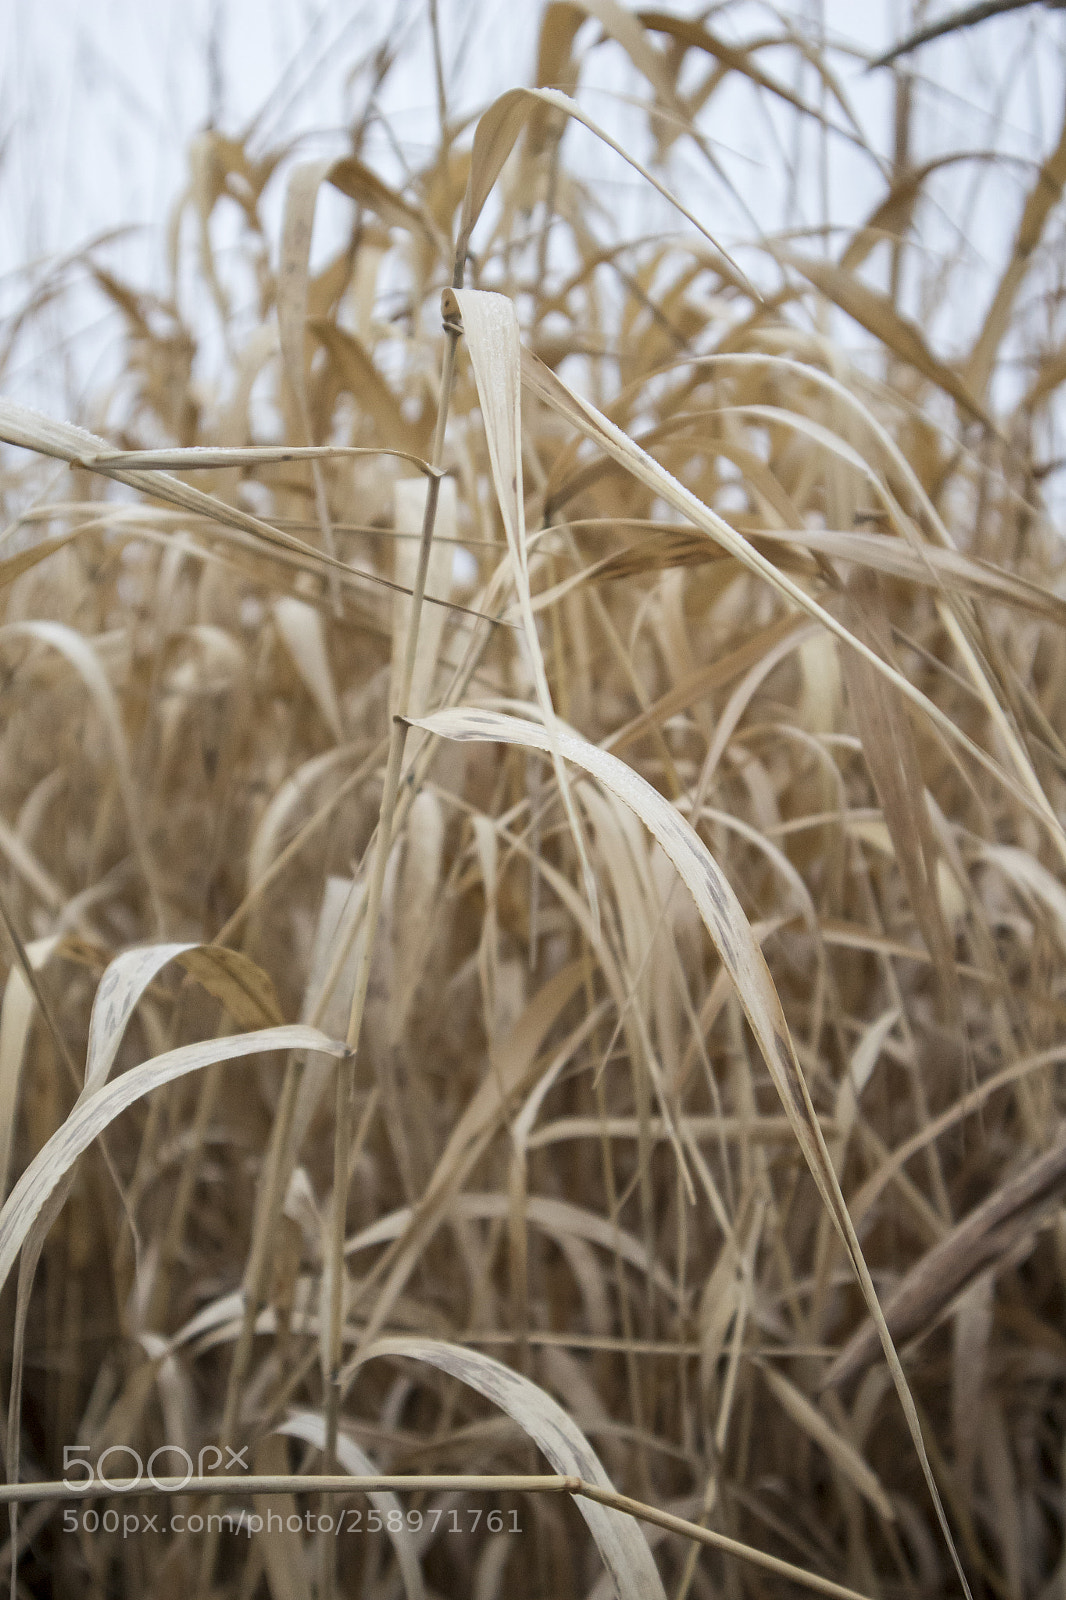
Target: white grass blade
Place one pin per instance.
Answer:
(618, 1536)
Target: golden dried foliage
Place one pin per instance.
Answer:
(402, 998)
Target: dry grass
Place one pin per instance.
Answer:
(719, 603)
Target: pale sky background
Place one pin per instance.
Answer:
(99, 99)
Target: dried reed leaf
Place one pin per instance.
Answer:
(29, 869)
(980, 1240)
(209, 458)
(893, 216)
(84, 658)
(23, 426)
(969, 1370)
(495, 137)
(356, 372)
(741, 956)
(595, 425)
(891, 755)
(694, 33)
(514, 1057)
(864, 1059)
(490, 326)
(619, 1538)
(95, 1112)
(563, 1221)
(12, 567)
(1040, 203)
(16, 1017)
(245, 990)
(302, 629)
(1033, 878)
(952, 22)
(630, 31)
(286, 800)
(875, 312)
(529, 1182)
(839, 1450)
(409, 508)
(285, 1560)
(301, 195)
(704, 680)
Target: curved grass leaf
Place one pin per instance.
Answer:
(618, 1536)
(94, 1114)
(742, 957)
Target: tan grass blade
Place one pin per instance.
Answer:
(497, 132)
(12, 567)
(21, 425)
(302, 629)
(596, 426)
(694, 33)
(731, 932)
(618, 1536)
(490, 325)
(84, 658)
(246, 991)
(931, 566)
(978, 1242)
(211, 458)
(839, 1450)
(29, 869)
(353, 178)
(952, 21)
(301, 197)
(419, 888)
(631, 33)
(561, 1219)
(715, 675)
(357, 372)
(283, 1554)
(232, 977)
(41, 1192)
(409, 509)
(96, 1112)
(16, 1016)
(891, 754)
(1040, 204)
(864, 1059)
(513, 1060)
(892, 217)
(278, 815)
(875, 312)
(1033, 878)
